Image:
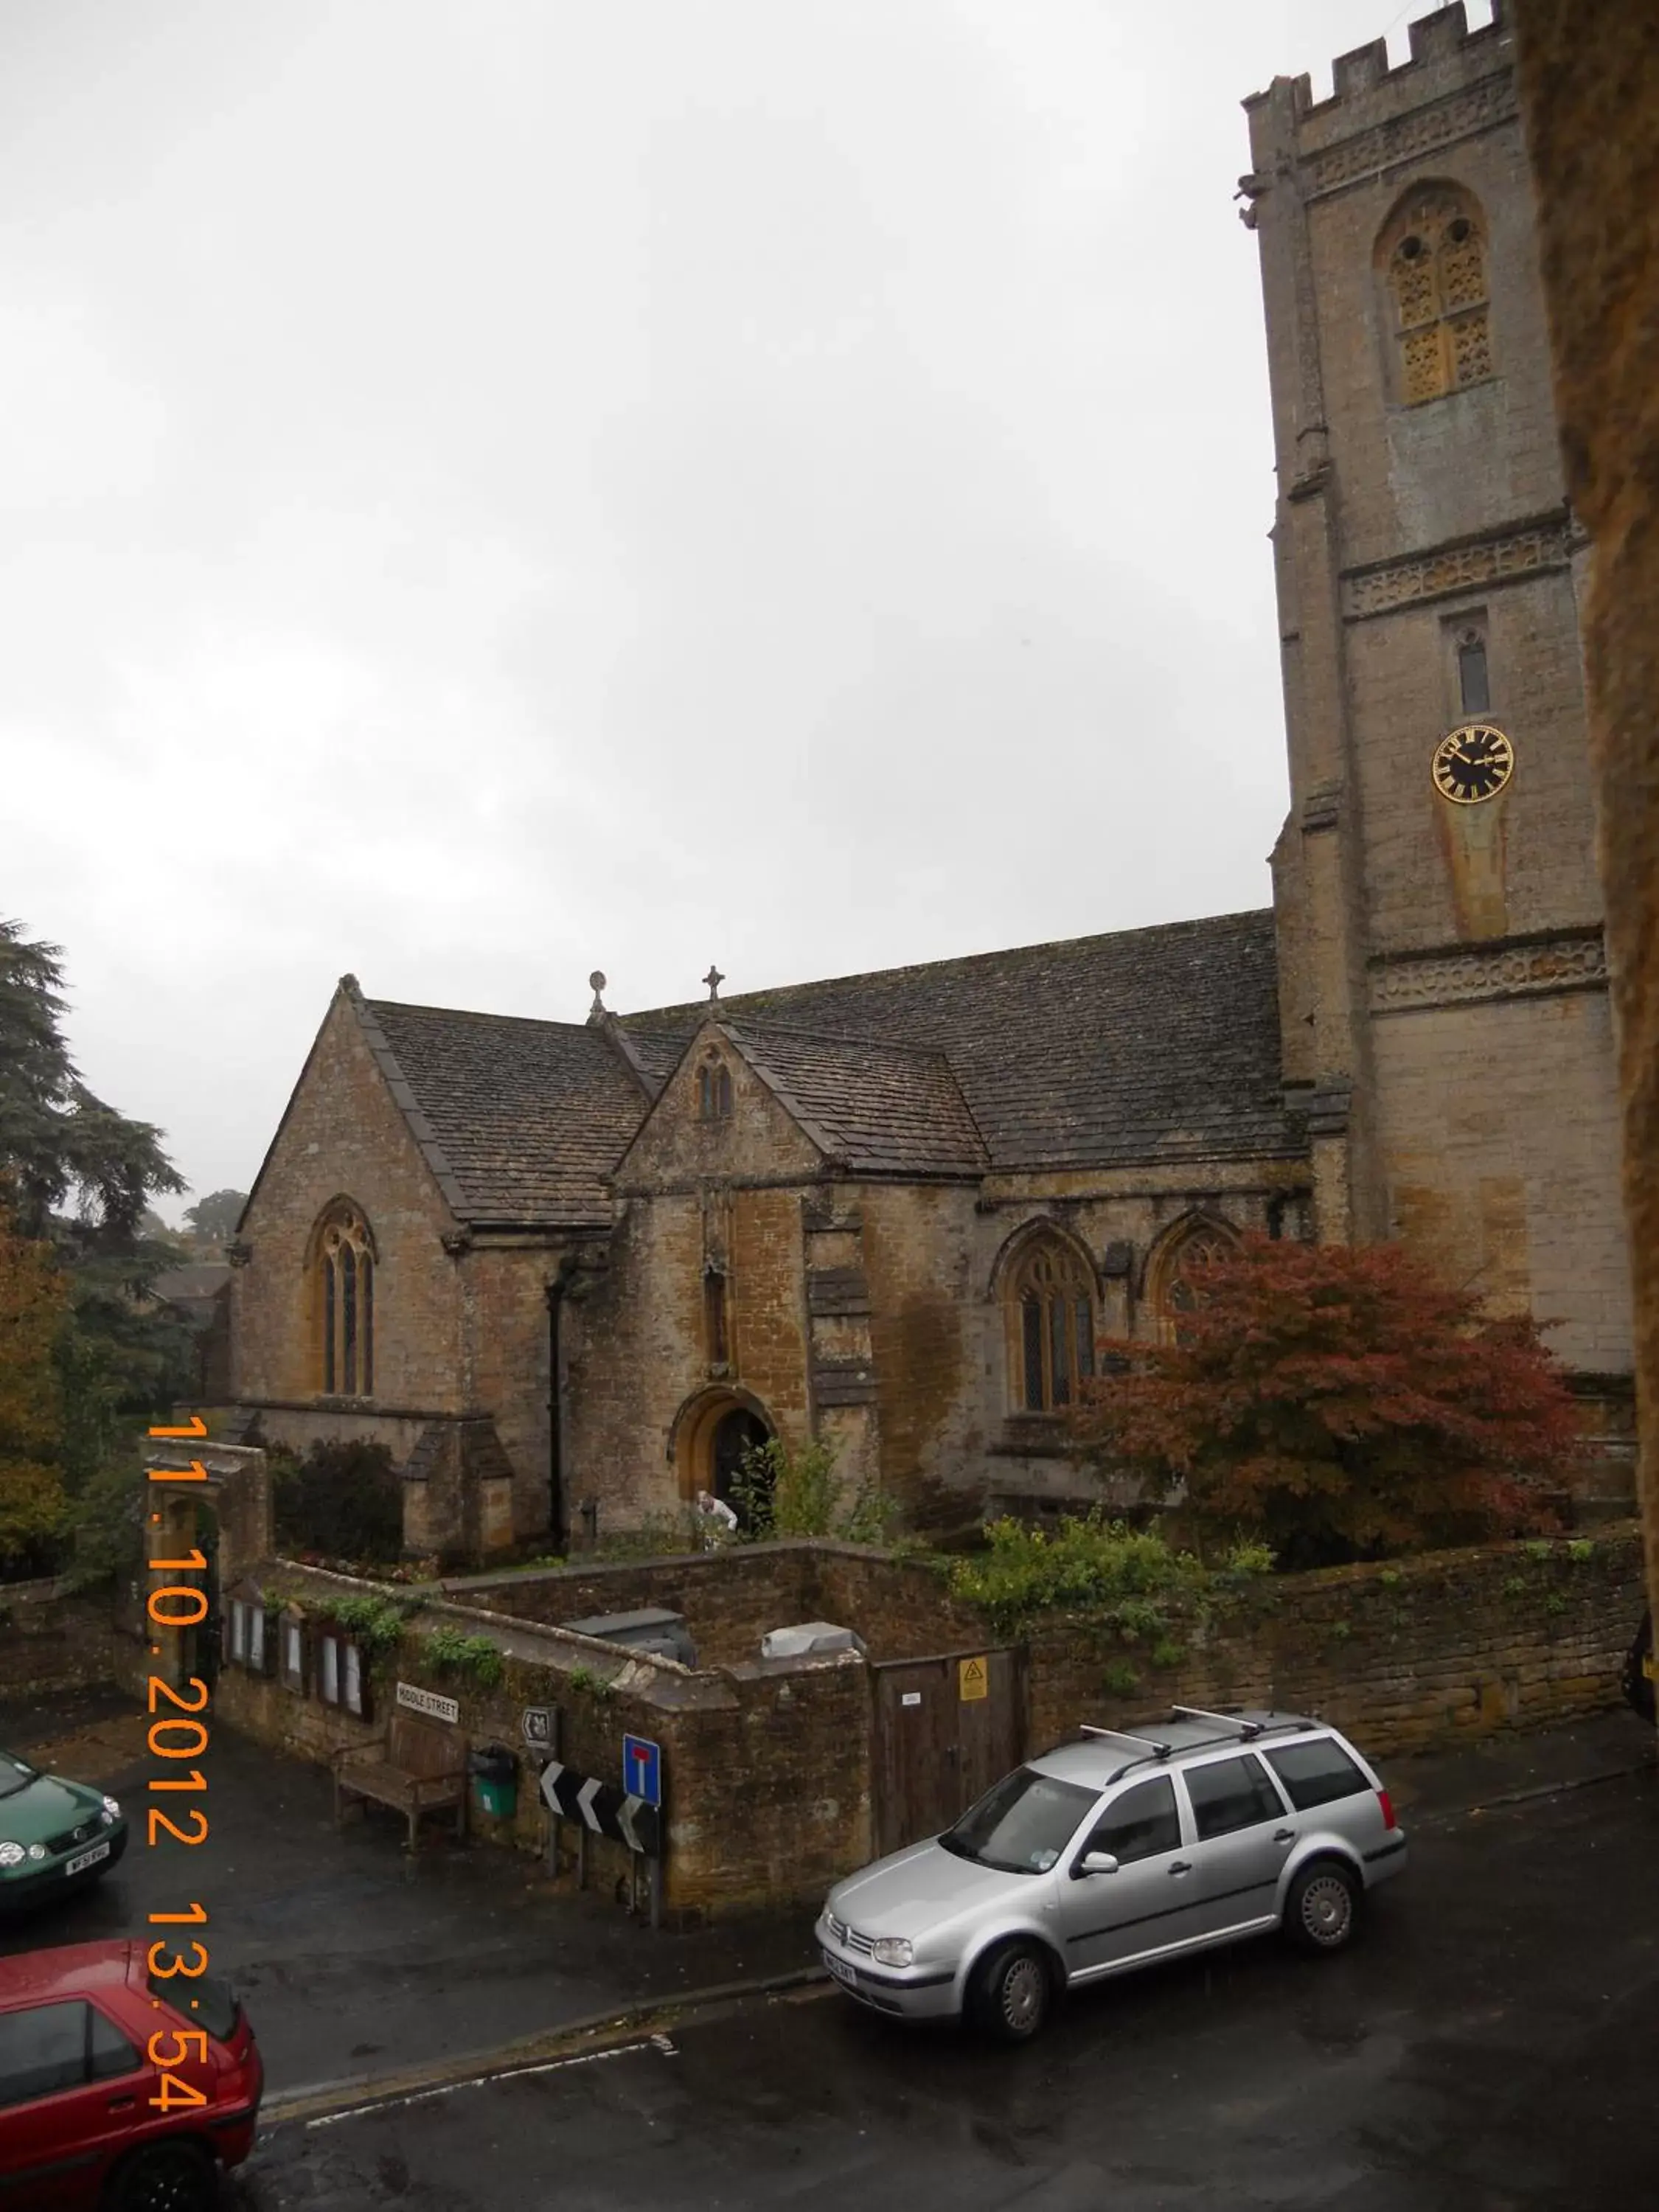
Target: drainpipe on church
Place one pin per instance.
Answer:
(556, 1291)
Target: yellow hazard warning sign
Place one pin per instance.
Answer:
(973, 1680)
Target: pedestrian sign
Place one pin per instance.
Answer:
(642, 1769)
(973, 1680)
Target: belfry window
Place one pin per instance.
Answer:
(1434, 255)
(1475, 690)
(1051, 1317)
(345, 1268)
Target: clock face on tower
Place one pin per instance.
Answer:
(1471, 762)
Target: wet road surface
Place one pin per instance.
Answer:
(1491, 2045)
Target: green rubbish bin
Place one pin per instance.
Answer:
(496, 1773)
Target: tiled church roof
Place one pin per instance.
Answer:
(1143, 1046)
(528, 1117)
(888, 1110)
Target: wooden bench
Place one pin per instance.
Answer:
(414, 1767)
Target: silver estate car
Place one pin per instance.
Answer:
(1109, 1853)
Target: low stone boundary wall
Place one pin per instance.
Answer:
(768, 1765)
(1406, 1655)
(51, 1641)
(731, 1596)
(765, 1764)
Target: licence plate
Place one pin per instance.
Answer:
(841, 1969)
(83, 1860)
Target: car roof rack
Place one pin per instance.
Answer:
(1246, 1729)
(1145, 1745)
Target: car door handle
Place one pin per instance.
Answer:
(123, 2104)
(1283, 1835)
(1181, 1866)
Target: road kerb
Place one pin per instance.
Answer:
(595, 2032)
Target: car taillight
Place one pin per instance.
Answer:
(1389, 1820)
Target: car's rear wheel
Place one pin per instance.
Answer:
(165, 2177)
(1013, 1993)
(1321, 1909)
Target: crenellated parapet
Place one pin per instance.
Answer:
(1457, 83)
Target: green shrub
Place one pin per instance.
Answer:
(1119, 1679)
(1581, 1549)
(781, 1493)
(342, 1501)
(1085, 1565)
(596, 1685)
(453, 1651)
(375, 1623)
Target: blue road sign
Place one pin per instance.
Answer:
(642, 1769)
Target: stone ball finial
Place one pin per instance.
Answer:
(596, 984)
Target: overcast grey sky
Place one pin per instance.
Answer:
(498, 490)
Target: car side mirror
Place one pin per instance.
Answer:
(1095, 1863)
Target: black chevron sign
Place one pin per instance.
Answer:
(603, 1808)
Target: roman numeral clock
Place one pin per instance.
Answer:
(1471, 762)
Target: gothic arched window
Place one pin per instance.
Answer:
(1433, 254)
(714, 1091)
(1051, 1316)
(1183, 1267)
(345, 1268)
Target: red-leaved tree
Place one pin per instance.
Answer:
(1337, 1401)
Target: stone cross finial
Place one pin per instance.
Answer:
(714, 979)
(596, 984)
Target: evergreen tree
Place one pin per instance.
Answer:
(76, 1177)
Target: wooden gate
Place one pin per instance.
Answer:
(945, 1729)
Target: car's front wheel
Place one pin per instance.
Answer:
(165, 2177)
(1322, 1909)
(1012, 1993)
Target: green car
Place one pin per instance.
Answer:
(54, 1835)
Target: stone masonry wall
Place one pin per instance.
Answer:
(51, 1642)
(693, 1194)
(504, 1296)
(731, 1598)
(343, 1137)
(1590, 93)
(1499, 1127)
(765, 1767)
(768, 1764)
(1407, 1656)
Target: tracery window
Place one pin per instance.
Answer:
(1185, 1264)
(1434, 254)
(1051, 1313)
(345, 1303)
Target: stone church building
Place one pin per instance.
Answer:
(566, 1273)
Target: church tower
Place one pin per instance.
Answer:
(1445, 1015)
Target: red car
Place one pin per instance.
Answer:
(117, 2093)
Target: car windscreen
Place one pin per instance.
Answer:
(202, 2000)
(1022, 1826)
(16, 1774)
